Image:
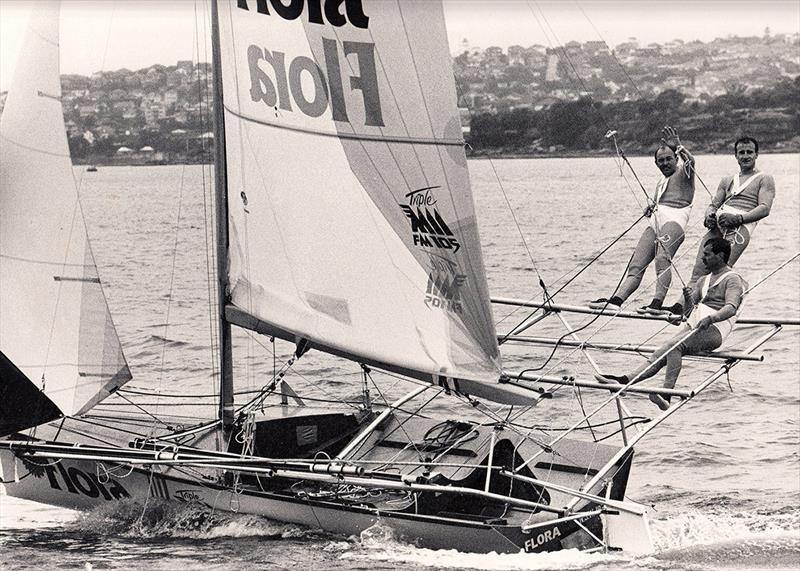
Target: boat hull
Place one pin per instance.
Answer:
(84, 485)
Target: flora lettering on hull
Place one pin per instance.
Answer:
(87, 484)
(277, 80)
(541, 538)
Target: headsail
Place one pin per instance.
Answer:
(55, 326)
(352, 222)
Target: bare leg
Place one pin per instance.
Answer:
(700, 342)
(642, 256)
(699, 270)
(655, 363)
(670, 240)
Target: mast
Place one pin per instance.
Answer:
(226, 406)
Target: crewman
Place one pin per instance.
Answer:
(668, 214)
(718, 298)
(740, 202)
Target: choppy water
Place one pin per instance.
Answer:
(724, 474)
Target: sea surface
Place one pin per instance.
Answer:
(722, 475)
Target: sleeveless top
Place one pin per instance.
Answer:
(743, 195)
(714, 297)
(676, 191)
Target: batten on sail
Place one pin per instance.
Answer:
(55, 327)
(352, 222)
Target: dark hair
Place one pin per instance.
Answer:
(745, 139)
(655, 153)
(720, 245)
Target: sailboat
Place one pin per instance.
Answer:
(345, 225)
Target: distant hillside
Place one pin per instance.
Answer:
(523, 101)
(772, 115)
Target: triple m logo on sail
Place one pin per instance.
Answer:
(276, 79)
(431, 232)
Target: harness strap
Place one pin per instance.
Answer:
(737, 186)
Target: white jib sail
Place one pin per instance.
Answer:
(54, 321)
(351, 215)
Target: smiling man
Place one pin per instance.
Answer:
(668, 214)
(713, 304)
(740, 202)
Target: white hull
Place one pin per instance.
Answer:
(76, 484)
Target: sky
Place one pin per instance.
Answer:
(104, 35)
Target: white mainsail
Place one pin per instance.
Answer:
(55, 326)
(352, 223)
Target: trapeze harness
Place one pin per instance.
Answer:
(663, 213)
(738, 188)
(703, 310)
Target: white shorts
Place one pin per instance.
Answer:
(702, 310)
(663, 214)
(725, 209)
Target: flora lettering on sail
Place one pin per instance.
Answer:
(328, 88)
(331, 10)
(277, 78)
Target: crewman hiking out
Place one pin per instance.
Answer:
(668, 214)
(718, 298)
(741, 200)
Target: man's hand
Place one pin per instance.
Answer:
(670, 137)
(648, 210)
(728, 220)
(704, 323)
(710, 221)
(687, 296)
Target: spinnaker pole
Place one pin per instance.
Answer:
(226, 406)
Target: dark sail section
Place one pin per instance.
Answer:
(22, 404)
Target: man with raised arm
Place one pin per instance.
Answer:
(740, 202)
(668, 214)
(713, 304)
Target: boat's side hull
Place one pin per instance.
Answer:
(80, 484)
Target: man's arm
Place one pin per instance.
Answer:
(725, 312)
(719, 196)
(734, 294)
(692, 296)
(688, 161)
(766, 194)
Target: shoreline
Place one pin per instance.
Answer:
(788, 150)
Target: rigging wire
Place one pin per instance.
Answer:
(583, 268)
(209, 214)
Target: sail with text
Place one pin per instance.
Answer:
(352, 222)
(59, 351)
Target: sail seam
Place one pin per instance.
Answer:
(45, 262)
(36, 150)
(46, 40)
(352, 136)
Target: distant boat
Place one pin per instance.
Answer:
(91, 168)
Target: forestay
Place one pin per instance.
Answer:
(352, 222)
(55, 328)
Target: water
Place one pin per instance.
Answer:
(723, 474)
